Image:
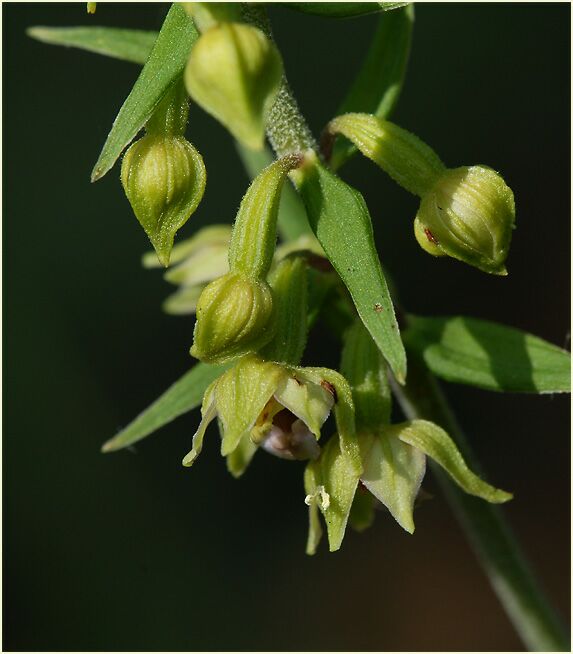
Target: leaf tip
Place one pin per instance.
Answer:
(108, 446)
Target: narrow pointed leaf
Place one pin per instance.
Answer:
(128, 45)
(435, 443)
(491, 356)
(339, 217)
(343, 9)
(377, 87)
(185, 395)
(165, 65)
(393, 472)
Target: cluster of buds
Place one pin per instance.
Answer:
(256, 318)
(467, 213)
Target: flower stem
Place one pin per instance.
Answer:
(484, 524)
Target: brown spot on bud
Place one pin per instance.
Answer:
(330, 388)
(430, 236)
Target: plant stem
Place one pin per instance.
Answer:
(485, 525)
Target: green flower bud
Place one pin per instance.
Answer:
(469, 214)
(164, 179)
(162, 174)
(234, 73)
(233, 318)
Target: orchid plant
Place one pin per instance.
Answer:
(255, 302)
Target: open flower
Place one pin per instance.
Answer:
(281, 408)
(394, 464)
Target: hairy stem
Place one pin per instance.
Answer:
(485, 525)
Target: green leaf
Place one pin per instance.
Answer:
(164, 66)
(342, 9)
(339, 217)
(292, 221)
(377, 87)
(183, 396)
(491, 356)
(393, 473)
(435, 443)
(128, 45)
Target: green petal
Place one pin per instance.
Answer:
(435, 443)
(305, 399)
(241, 395)
(393, 472)
(343, 411)
(241, 456)
(184, 301)
(362, 511)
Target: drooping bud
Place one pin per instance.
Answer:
(469, 214)
(163, 175)
(234, 73)
(233, 318)
(234, 311)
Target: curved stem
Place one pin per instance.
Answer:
(485, 525)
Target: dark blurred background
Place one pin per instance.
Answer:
(131, 550)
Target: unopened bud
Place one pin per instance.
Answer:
(234, 73)
(469, 214)
(233, 318)
(164, 178)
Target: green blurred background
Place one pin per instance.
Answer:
(132, 551)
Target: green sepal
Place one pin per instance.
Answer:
(362, 512)
(365, 369)
(340, 479)
(289, 285)
(239, 459)
(241, 395)
(210, 236)
(184, 301)
(393, 473)
(234, 73)
(435, 443)
(409, 161)
(343, 411)
(208, 413)
(203, 266)
(255, 232)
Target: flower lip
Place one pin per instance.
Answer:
(289, 438)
